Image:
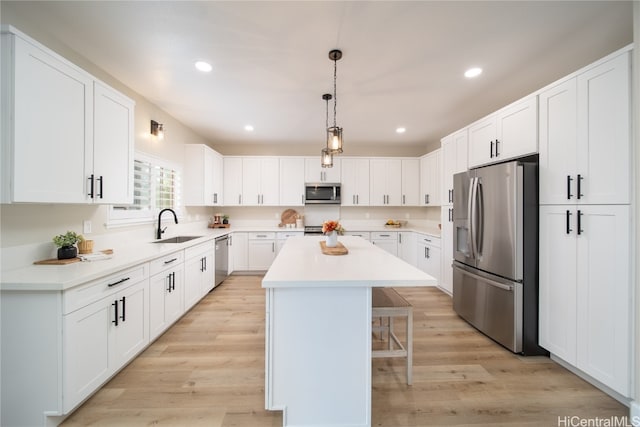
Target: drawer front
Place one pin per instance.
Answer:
(282, 235)
(384, 235)
(364, 234)
(262, 236)
(429, 240)
(90, 292)
(198, 250)
(166, 262)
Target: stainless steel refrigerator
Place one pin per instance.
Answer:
(495, 268)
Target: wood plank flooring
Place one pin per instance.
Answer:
(208, 370)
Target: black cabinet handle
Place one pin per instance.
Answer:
(491, 151)
(170, 261)
(569, 230)
(118, 282)
(404, 202)
(115, 320)
(427, 199)
(450, 196)
(169, 287)
(497, 142)
(580, 178)
(425, 252)
(90, 186)
(450, 215)
(100, 181)
(580, 230)
(173, 281)
(124, 310)
(569, 179)
(428, 254)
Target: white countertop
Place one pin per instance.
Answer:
(302, 263)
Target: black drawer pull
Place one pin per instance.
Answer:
(118, 282)
(569, 179)
(580, 230)
(115, 320)
(170, 261)
(569, 230)
(579, 193)
(123, 308)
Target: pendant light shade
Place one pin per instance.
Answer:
(334, 139)
(334, 133)
(326, 158)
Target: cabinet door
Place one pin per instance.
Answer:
(482, 136)
(131, 334)
(251, 181)
(394, 182)
(411, 182)
(86, 351)
(217, 187)
(557, 286)
(292, 181)
(448, 161)
(53, 126)
(166, 296)
(355, 182)
(430, 179)
(407, 247)
(517, 130)
(270, 181)
(429, 260)
(558, 144)
(232, 181)
(174, 299)
(314, 172)
(208, 275)
(239, 248)
(390, 246)
(385, 182)
(446, 241)
(196, 163)
(112, 146)
(461, 141)
(603, 132)
(261, 254)
(604, 295)
(193, 275)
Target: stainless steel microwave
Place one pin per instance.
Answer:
(316, 193)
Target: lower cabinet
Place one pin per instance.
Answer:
(585, 290)
(446, 242)
(387, 240)
(166, 292)
(199, 271)
(101, 337)
(429, 255)
(407, 247)
(239, 251)
(283, 236)
(366, 235)
(262, 250)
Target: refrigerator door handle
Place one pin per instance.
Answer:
(472, 216)
(487, 281)
(479, 231)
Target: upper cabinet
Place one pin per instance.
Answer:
(410, 182)
(430, 179)
(203, 174)
(232, 181)
(355, 182)
(314, 172)
(67, 138)
(291, 181)
(584, 137)
(509, 133)
(260, 181)
(454, 160)
(385, 182)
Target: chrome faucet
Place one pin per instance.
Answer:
(161, 230)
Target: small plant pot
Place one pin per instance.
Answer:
(67, 252)
(225, 221)
(85, 247)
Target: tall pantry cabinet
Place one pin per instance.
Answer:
(585, 275)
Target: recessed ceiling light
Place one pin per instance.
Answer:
(205, 67)
(401, 130)
(248, 128)
(473, 72)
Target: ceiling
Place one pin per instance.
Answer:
(403, 62)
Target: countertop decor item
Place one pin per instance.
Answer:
(331, 229)
(339, 249)
(85, 246)
(56, 261)
(288, 217)
(65, 243)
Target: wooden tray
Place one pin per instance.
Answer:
(219, 225)
(56, 261)
(338, 250)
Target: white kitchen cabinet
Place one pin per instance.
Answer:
(355, 182)
(262, 250)
(232, 182)
(166, 292)
(59, 111)
(202, 176)
(429, 255)
(101, 337)
(410, 182)
(430, 179)
(260, 181)
(282, 236)
(239, 251)
(199, 270)
(387, 240)
(366, 235)
(585, 290)
(385, 182)
(292, 181)
(506, 134)
(314, 172)
(407, 247)
(454, 160)
(584, 137)
(446, 243)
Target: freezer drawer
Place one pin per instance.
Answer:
(491, 304)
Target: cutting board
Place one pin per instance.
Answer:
(288, 217)
(56, 261)
(338, 250)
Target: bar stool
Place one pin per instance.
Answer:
(386, 302)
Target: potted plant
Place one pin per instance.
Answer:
(225, 219)
(65, 244)
(331, 229)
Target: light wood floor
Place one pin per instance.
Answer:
(208, 370)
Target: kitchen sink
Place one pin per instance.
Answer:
(177, 239)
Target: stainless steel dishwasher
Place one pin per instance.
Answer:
(222, 259)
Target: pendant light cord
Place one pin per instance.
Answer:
(335, 98)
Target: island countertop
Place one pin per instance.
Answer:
(302, 263)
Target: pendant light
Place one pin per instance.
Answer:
(334, 133)
(326, 158)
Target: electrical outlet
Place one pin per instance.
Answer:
(366, 215)
(86, 227)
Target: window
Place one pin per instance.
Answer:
(156, 185)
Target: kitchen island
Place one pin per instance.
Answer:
(318, 329)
